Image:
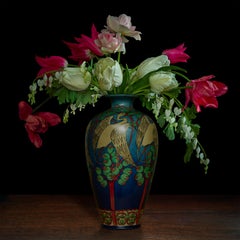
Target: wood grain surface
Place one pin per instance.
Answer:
(166, 217)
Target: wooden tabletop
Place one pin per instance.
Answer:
(166, 217)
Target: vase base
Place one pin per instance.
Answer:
(111, 227)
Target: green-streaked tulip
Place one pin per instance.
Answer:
(162, 81)
(108, 73)
(76, 78)
(151, 64)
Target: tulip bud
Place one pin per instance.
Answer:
(151, 64)
(108, 73)
(76, 78)
(162, 81)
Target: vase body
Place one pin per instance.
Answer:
(121, 147)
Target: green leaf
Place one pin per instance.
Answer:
(139, 169)
(161, 120)
(169, 131)
(190, 112)
(188, 153)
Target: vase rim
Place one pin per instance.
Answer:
(120, 94)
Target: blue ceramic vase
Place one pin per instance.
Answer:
(121, 153)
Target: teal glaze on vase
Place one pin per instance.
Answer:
(121, 146)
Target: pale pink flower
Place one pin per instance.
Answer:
(109, 42)
(123, 25)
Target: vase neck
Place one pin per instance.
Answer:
(122, 100)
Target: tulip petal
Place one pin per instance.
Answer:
(48, 64)
(24, 110)
(51, 118)
(34, 138)
(203, 92)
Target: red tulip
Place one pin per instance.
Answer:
(53, 63)
(203, 92)
(85, 49)
(177, 54)
(36, 123)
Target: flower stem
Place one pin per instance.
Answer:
(41, 104)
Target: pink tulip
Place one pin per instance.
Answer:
(48, 64)
(177, 54)
(85, 49)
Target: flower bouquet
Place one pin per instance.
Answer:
(94, 70)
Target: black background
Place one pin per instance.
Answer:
(210, 34)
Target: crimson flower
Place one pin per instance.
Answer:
(49, 64)
(36, 123)
(86, 48)
(177, 54)
(203, 92)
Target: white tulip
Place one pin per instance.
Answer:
(75, 78)
(151, 64)
(162, 81)
(108, 73)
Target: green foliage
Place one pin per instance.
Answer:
(161, 120)
(169, 132)
(188, 153)
(64, 95)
